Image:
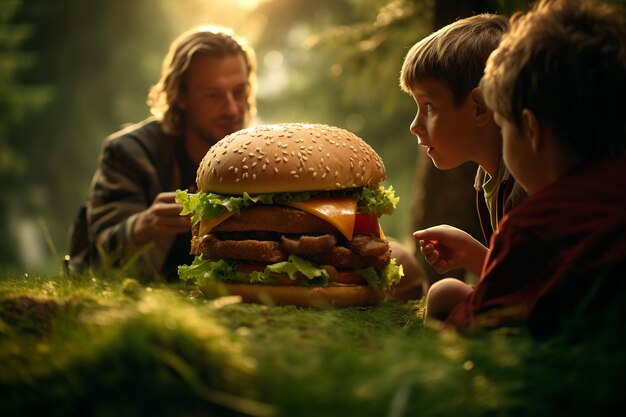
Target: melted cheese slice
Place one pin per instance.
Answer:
(340, 212)
(207, 225)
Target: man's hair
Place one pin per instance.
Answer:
(209, 41)
(455, 54)
(566, 61)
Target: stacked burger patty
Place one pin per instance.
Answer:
(269, 234)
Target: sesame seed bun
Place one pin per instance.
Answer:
(289, 158)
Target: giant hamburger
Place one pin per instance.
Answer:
(288, 214)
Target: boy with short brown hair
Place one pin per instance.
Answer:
(556, 84)
(442, 72)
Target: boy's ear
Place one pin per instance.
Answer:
(532, 130)
(483, 114)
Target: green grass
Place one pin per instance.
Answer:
(95, 347)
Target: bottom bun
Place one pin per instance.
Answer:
(320, 297)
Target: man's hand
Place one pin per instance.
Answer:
(162, 218)
(446, 248)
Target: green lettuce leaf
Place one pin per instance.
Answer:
(377, 201)
(201, 205)
(388, 276)
(204, 271)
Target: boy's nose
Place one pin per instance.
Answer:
(415, 128)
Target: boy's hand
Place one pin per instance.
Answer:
(446, 248)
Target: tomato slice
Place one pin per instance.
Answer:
(366, 224)
(343, 277)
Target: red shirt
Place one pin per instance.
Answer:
(554, 241)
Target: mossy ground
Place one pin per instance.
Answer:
(115, 347)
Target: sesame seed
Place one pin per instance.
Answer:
(276, 170)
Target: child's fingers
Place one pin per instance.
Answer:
(432, 257)
(427, 248)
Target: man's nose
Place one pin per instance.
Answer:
(231, 104)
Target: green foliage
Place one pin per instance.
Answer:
(116, 347)
(93, 63)
(16, 100)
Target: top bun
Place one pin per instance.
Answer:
(289, 157)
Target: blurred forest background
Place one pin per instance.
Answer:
(74, 71)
